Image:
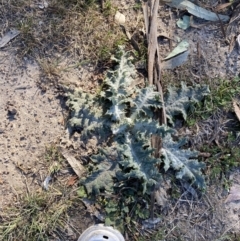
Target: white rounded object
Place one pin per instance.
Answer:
(120, 18)
(101, 233)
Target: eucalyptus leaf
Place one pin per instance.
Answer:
(175, 61)
(8, 37)
(181, 47)
(197, 11)
(184, 23)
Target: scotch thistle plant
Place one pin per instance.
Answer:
(121, 117)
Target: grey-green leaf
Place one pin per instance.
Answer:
(178, 101)
(86, 114)
(118, 84)
(184, 23)
(183, 161)
(149, 127)
(140, 163)
(144, 100)
(106, 170)
(197, 11)
(180, 48)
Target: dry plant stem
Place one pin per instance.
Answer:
(170, 32)
(227, 230)
(157, 82)
(221, 25)
(152, 204)
(152, 41)
(102, 4)
(154, 70)
(146, 19)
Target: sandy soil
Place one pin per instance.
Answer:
(30, 120)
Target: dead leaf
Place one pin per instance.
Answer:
(151, 223)
(61, 121)
(91, 208)
(77, 167)
(180, 48)
(161, 193)
(175, 61)
(72, 180)
(236, 109)
(204, 154)
(235, 15)
(194, 25)
(120, 18)
(43, 5)
(161, 196)
(231, 44)
(46, 182)
(190, 189)
(131, 38)
(165, 35)
(8, 37)
(197, 11)
(184, 22)
(222, 6)
(238, 43)
(234, 194)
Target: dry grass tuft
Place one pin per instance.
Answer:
(36, 217)
(44, 215)
(76, 29)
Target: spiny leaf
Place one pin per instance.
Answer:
(77, 99)
(181, 161)
(122, 127)
(178, 101)
(148, 127)
(80, 104)
(144, 100)
(118, 82)
(117, 111)
(86, 115)
(103, 177)
(140, 127)
(138, 159)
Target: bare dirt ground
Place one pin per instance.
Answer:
(30, 120)
(33, 117)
